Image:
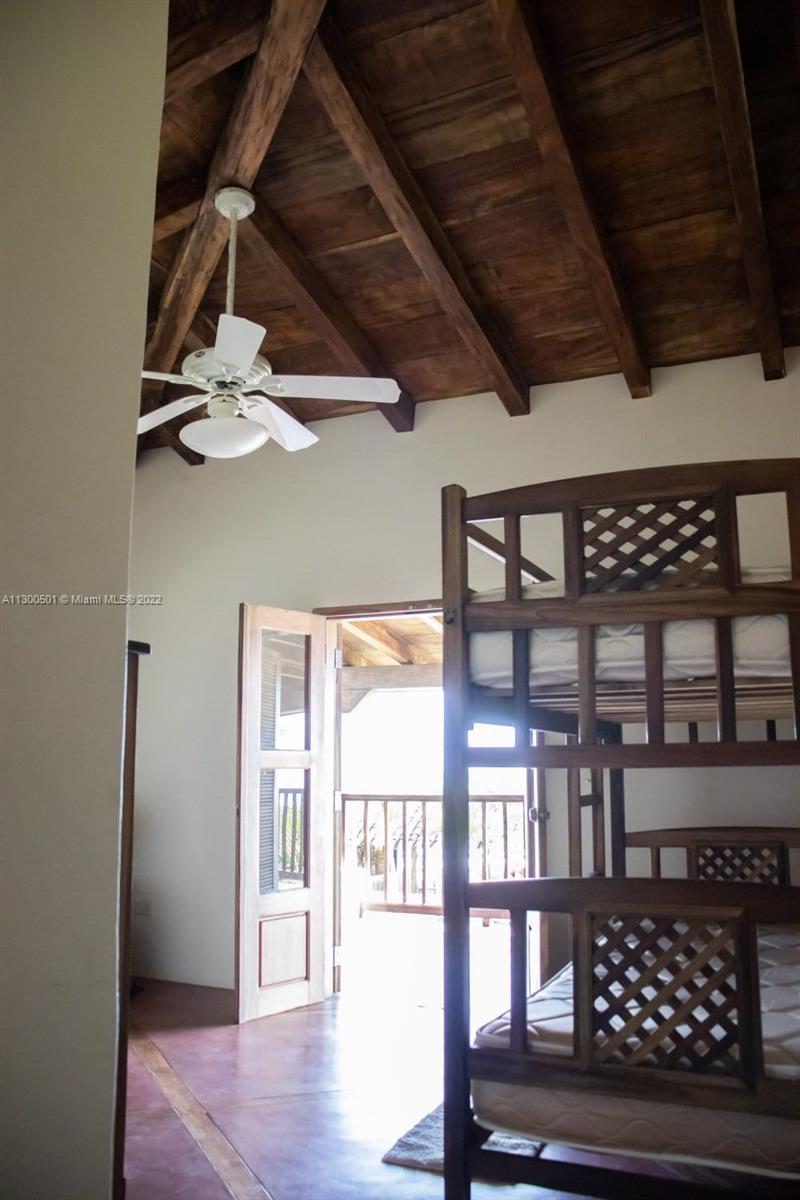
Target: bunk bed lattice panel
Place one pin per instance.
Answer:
(665, 994)
(741, 864)
(637, 547)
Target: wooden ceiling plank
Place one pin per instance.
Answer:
(363, 130)
(379, 636)
(251, 126)
(528, 63)
(273, 247)
(724, 56)
(177, 205)
(208, 47)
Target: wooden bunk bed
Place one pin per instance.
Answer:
(665, 989)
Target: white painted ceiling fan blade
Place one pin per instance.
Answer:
(181, 379)
(358, 390)
(167, 411)
(237, 343)
(282, 427)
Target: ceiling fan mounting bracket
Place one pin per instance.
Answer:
(234, 202)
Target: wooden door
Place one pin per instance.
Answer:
(285, 931)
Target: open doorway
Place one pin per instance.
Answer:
(388, 919)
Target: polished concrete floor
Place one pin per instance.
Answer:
(308, 1100)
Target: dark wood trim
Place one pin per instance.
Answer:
(497, 550)
(395, 608)
(524, 49)
(743, 476)
(673, 754)
(743, 833)
(135, 650)
(635, 607)
(725, 62)
(276, 253)
(363, 130)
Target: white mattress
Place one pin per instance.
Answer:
(760, 646)
(681, 1133)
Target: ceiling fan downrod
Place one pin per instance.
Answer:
(236, 204)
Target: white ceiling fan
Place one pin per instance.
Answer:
(235, 381)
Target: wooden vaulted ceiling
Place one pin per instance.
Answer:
(481, 196)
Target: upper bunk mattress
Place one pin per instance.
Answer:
(592, 1120)
(760, 647)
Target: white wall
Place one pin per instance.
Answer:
(354, 519)
(82, 85)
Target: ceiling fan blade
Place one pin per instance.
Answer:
(237, 343)
(282, 427)
(167, 411)
(181, 379)
(359, 390)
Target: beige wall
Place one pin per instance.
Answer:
(354, 519)
(82, 85)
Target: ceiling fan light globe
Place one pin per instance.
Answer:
(223, 437)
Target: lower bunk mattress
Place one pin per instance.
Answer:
(593, 1120)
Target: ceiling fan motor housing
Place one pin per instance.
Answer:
(201, 367)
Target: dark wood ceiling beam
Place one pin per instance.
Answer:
(527, 60)
(177, 205)
(361, 127)
(725, 61)
(250, 128)
(273, 248)
(208, 47)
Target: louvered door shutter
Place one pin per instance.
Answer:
(267, 841)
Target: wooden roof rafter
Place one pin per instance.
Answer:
(251, 125)
(358, 122)
(271, 245)
(725, 61)
(530, 69)
(378, 635)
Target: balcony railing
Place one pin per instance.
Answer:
(392, 847)
(291, 834)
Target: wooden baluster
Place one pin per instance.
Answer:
(616, 808)
(366, 841)
(587, 720)
(520, 637)
(505, 839)
(726, 686)
(694, 733)
(654, 681)
(405, 850)
(519, 981)
(573, 553)
(574, 817)
(484, 839)
(655, 862)
(794, 658)
(385, 850)
(598, 823)
(424, 852)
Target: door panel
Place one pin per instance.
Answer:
(285, 820)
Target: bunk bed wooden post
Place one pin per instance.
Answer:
(455, 827)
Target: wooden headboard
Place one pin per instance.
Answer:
(724, 854)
